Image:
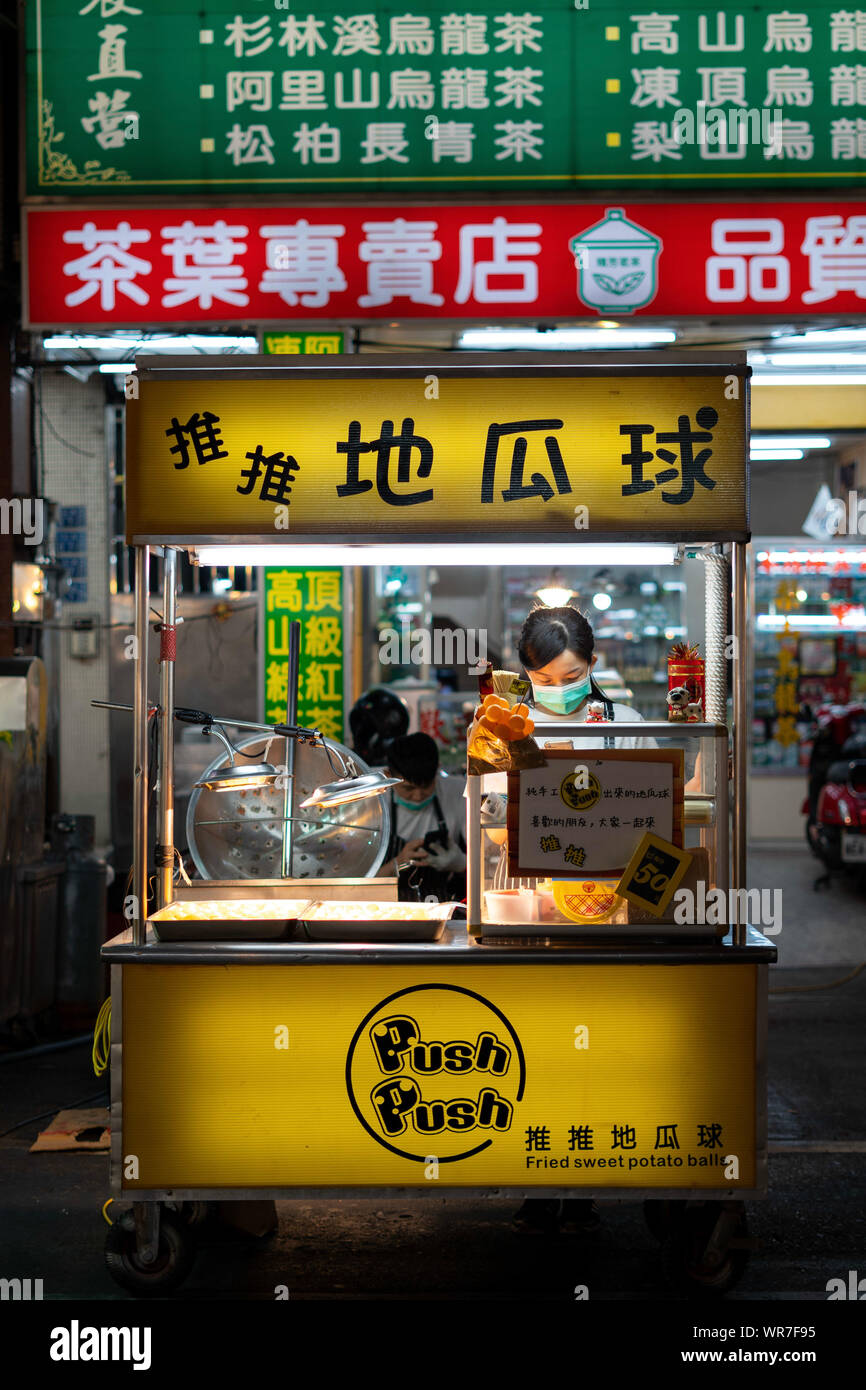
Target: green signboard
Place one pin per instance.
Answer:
(287, 342)
(172, 97)
(315, 597)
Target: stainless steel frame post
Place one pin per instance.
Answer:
(474, 867)
(294, 669)
(165, 803)
(741, 730)
(139, 770)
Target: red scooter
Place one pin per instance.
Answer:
(835, 807)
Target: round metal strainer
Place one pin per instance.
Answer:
(238, 834)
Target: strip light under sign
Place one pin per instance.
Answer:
(441, 553)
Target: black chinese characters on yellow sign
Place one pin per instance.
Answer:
(283, 453)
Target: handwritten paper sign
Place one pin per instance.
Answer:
(583, 814)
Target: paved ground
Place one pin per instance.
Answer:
(823, 927)
(811, 1227)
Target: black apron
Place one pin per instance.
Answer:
(422, 881)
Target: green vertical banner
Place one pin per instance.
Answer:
(315, 598)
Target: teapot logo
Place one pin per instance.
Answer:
(435, 1068)
(616, 262)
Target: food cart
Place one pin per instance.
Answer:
(291, 1037)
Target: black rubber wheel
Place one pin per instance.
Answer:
(683, 1254)
(657, 1216)
(173, 1263)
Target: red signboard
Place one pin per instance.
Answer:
(89, 267)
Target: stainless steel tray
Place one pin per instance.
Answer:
(271, 922)
(371, 931)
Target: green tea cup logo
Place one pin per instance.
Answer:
(616, 262)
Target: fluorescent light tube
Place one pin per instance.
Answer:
(820, 336)
(123, 342)
(767, 455)
(442, 553)
(828, 378)
(853, 621)
(557, 339)
(850, 556)
(789, 441)
(791, 360)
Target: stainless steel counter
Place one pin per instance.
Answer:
(455, 947)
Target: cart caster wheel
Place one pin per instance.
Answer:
(657, 1216)
(689, 1266)
(173, 1263)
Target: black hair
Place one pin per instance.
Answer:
(415, 758)
(548, 632)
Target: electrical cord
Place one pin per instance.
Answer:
(101, 1051)
(70, 1105)
(805, 989)
(44, 420)
(182, 873)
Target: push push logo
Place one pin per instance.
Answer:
(435, 1062)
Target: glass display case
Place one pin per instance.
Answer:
(502, 904)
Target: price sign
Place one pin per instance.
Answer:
(653, 874)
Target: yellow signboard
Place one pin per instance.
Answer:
(359, 1076)
(285, 457)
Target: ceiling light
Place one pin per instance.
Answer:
(117, 368)
(460, 553)
(828, 378)
(854, 620)
(558, 339)
(555, 598)
(766, 455)
(849, 556)
(601, 601)
(807, 359)
(126, 342)
(789, 441)
(819, 336)
(554, 593)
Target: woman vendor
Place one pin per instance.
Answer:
(556, 649)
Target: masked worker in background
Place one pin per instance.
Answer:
(427, 851)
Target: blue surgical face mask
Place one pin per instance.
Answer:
(563, 699)
(414, 805)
